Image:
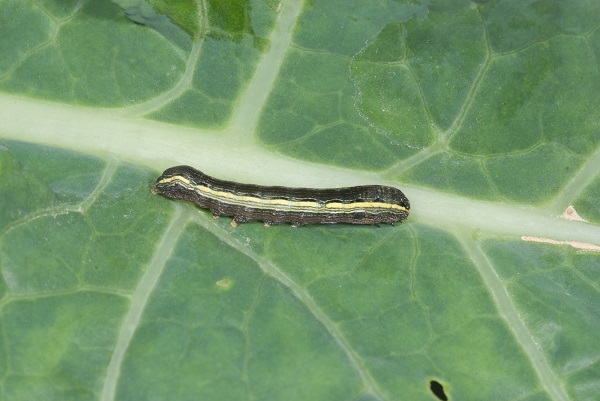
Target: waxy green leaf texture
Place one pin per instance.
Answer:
(485, 113)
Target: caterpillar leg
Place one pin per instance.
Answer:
(239, 220)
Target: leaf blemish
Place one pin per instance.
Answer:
(224, 284)
(575, 244)
(438, 390)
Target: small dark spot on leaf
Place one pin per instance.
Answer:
(438, 390)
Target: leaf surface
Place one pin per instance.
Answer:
(483, 112)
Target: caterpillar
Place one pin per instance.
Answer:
(367, 204)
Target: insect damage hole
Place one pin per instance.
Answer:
(438, 390)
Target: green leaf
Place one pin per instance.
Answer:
(163, 15)
(485, 113)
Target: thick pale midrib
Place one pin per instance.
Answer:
(269, 268)
(80, 128)
(509, 312)
(139, 300)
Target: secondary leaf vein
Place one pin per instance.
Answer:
(139, 300)
(507, 309)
